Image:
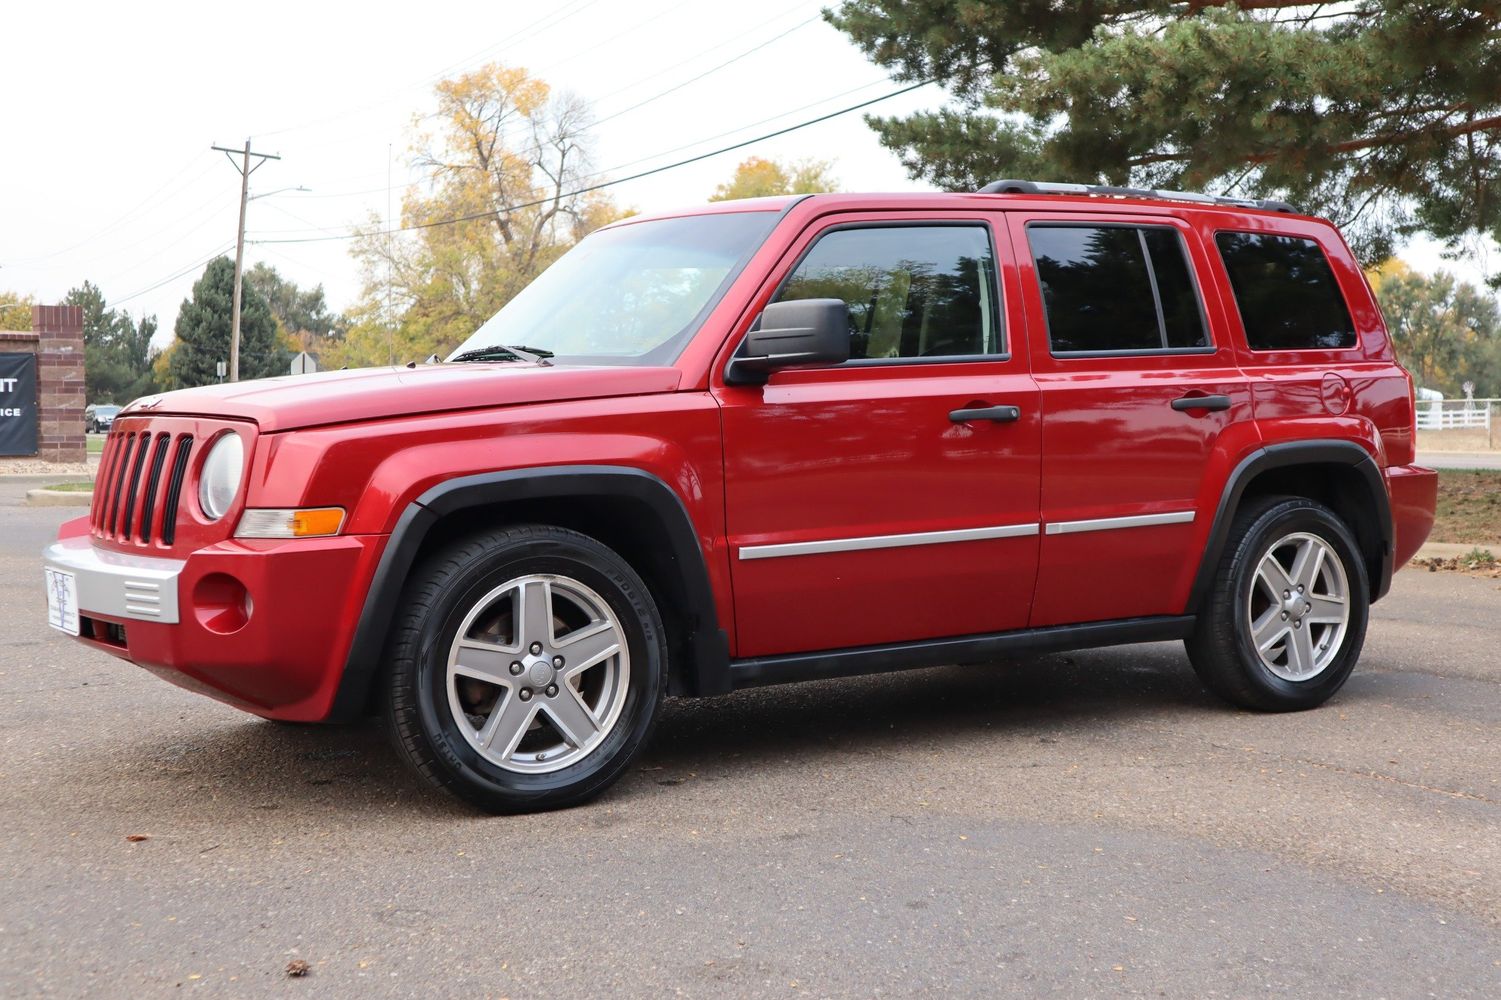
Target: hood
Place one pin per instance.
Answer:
(291, 401)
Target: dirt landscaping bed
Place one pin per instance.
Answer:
(1477, 563)
(1469, 507)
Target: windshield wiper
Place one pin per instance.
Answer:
(502, 352)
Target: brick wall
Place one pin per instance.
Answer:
(17, 342)
(58, 333)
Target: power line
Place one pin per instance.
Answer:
(173, 277)
(615, 39)
(599, 187)
(708, 72)
(742, 128)
(510, 40)
(538, 146)
(542, 74)
(739, 36)
(629, 163)
(556, 17)
(139, 241)
(122, 219)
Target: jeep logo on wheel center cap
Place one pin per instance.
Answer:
(539, 673)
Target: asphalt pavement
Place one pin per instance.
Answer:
(1080, 825)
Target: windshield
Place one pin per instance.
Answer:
(631, 295)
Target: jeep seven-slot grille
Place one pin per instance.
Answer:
(131, 501)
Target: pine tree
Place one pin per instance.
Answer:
(1381, 114)
(203, 328)
(116, 349)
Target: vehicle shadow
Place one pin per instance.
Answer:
(763, 726)
(791, 728)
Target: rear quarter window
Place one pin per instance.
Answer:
(1286, 293)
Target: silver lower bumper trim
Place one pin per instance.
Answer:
(118, 584)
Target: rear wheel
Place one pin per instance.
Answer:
(1286, 620)
(527, 669)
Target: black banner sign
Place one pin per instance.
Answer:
(18, 413)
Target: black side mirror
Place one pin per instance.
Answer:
(800, 332)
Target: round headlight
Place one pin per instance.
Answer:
(220, 480)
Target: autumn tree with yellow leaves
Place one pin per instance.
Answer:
(1445, 331)
(758, 178)
(503, 154)
(15, 311)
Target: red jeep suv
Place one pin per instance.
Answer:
(773, 440)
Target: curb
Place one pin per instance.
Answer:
(38, 477)
(57, 498)
(1451, 550)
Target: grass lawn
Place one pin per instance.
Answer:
(70, 487)
(1469, 507)
(94, 443)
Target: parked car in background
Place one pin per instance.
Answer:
(98, 418)
(777, 440)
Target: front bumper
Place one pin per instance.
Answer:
(262, 625)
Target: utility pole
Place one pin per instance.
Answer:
(245, 170)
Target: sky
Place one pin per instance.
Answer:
(111, 109)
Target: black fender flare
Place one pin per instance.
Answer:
(1289, 453)
(703, 657)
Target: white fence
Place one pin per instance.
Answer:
(1452, 414)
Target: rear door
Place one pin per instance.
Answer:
(1310, 335)
(863, 504)
(1136, 394)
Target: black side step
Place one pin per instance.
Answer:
(764, 670)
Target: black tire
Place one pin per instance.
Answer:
(442, 590)
(1221, 649)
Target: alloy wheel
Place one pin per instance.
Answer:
(1298, 606)
(538, 673)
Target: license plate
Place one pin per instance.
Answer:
(62, 601)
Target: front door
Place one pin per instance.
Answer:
(864, 505)
(1137, 399)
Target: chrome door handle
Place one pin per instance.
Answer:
(995, 414)
(1201, 403)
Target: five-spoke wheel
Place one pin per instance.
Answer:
(537, 673)
(1284, 623)
(526, 668)
(1299, 606)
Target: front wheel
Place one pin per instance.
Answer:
(1286, 619)
(526, 669)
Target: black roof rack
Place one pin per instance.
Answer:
(1112, 191)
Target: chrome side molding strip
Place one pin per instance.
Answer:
(960, 535)
(886, 541)
(1110, 523)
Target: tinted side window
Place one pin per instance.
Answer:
(1288, 298)
(912, 291)
(1182, 320)
(1116, 288)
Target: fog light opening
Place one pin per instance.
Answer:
(221, 603)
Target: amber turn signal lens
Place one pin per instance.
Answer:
(282, 523)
